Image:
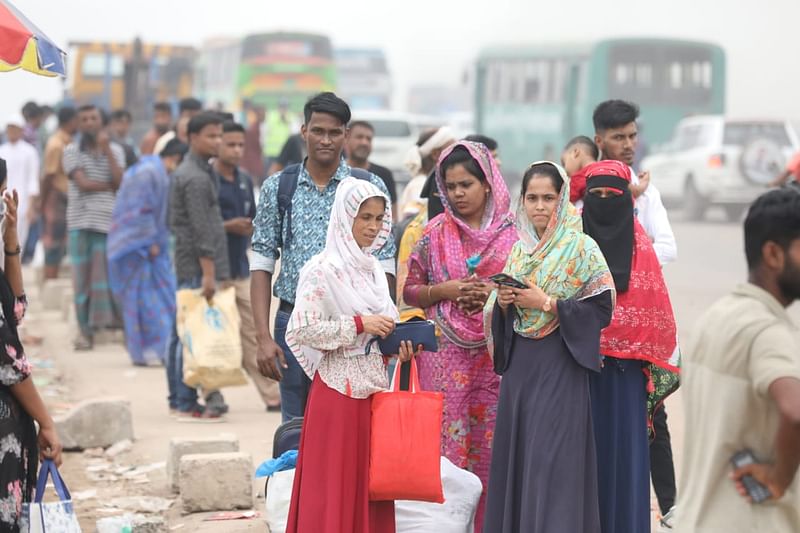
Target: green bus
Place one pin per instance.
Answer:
(533, 99)
(285, 67)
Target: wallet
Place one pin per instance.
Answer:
(417, 331)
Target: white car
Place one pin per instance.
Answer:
(395, 134)
(713, 160)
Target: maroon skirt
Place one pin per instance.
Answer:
(331, 483)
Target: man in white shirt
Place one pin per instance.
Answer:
(22, 160)
(616, 135)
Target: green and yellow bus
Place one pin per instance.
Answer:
(534, 98)
(285, 67)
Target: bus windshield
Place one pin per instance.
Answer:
(266, 47)
(363, 78)
(98, 65)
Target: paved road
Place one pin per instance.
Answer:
(711, 261)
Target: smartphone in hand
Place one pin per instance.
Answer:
(504, 279)
(757, 492)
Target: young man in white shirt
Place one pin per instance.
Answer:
(616, 135)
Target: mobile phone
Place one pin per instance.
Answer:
(757, 492)
(504, 279)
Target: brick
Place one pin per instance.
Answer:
(96, 423)
(178, 447)
(216, 482)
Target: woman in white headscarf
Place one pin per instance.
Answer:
(342, 302)
(419, 162)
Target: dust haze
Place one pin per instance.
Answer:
(435, 42)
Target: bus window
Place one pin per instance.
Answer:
(560, 72)
(535, 81)
(94, 66)
(660, 75)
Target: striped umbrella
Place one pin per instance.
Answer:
(23, 45)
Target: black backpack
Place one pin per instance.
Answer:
(287, 185)
(287, 437)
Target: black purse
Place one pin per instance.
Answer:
(417, 331)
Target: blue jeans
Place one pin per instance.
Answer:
(295, 383)
(181, 396)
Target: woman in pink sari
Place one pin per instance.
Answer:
(448, 277)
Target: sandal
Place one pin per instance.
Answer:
(83, 344)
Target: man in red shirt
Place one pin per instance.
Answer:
(792, 171)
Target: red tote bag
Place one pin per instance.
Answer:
(405, 443)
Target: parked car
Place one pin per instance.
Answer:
(714, 160)
(395, 134)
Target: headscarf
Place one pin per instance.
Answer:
(643, 326)
(140, 211)
(564, 263)
(610, 220)
(415, 155)
(453, 241)
(343, 279)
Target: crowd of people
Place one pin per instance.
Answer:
(553, 377)
(553, 388)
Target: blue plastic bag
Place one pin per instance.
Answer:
(287, 461)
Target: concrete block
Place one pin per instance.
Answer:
(178, 447)
(67, 305)
(149, 524)
(216, 482)
(96, 423)
(52, 293)
(135, 523)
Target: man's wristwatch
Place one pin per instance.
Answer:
(548, 305)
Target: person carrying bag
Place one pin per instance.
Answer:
(209, 332)
(50, 517)
(404, 461)
(343, 302)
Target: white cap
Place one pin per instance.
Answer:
(162, 142)
(15, 120)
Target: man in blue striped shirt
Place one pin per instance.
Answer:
(324, 131)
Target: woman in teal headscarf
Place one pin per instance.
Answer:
(546, 341)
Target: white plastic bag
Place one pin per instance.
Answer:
(279, 496)
(462, 490)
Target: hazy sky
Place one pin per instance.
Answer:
(434, 41)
